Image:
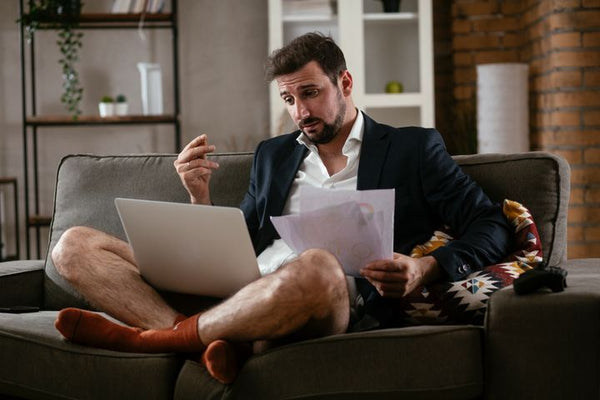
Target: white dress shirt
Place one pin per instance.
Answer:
(312, 172)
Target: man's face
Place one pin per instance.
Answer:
(315, 104)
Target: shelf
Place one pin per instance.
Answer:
(393, 100)
(65, 120)
(8, 180)
(39, 220)
(112, 20)
(391, 17)
(308, 18)
(35, 123)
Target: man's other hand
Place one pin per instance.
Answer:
(195, 170)
(401, 275)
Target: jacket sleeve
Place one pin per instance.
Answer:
(483, 234)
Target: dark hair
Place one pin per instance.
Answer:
(313, 46)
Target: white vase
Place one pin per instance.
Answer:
(106, 109)
(151, 81)
(121, 109)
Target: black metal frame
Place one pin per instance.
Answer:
(90, 21)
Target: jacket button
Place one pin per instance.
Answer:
(463, 269)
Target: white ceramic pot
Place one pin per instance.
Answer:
(121, 108)
(106, 109)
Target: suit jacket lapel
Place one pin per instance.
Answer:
(372, 155)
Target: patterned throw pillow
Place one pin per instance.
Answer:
(465, 301)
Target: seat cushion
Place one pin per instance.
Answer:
(37, 363)
(424, 362)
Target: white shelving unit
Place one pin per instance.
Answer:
(379, 47)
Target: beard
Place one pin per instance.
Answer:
(329, 131)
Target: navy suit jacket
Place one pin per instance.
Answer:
(431, 192)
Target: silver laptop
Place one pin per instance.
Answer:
(186, 248)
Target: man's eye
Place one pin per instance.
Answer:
(311, 93)
(288, 100)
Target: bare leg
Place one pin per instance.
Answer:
(102, 268)
(306, 298)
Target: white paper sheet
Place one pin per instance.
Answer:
(356, 226)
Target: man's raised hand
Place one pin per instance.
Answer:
(195, 170)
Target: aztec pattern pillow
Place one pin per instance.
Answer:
(465, 301)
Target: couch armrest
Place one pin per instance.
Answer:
(21, 283)
(546, 345)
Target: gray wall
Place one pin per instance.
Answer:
(222, 45)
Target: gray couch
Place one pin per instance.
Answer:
(540, 346)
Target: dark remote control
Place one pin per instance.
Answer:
(553, 278)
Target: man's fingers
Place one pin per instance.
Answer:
(388, 289)
(197, 141)
(190, 176)
(382, 265)
(201, 163)
(383, 275)
(195, 165)
(194, 153)
(201, 151)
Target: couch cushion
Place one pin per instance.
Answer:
(87, 185)
(539, 180)
(559, 332)
(37, 363)
(465, 301)
(411, 363)
(21, 283)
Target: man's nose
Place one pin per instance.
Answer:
(301, 110)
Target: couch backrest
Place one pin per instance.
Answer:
(538, 180)
(87, 185)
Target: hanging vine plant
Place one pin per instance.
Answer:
(61, 15)
(69, 43)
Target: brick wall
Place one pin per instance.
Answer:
(560, 40)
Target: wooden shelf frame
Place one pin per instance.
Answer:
(114, 21)
(66, 120)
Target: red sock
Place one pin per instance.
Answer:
(88, 328)
(180, 318)
(223, 360)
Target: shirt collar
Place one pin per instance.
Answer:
(355, 137)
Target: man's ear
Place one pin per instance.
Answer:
(346, 82)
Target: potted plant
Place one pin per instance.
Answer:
(63, 16)
(106, 107)
(121, 105)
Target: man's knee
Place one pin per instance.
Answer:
(319, 278)
(69, 249)
(323, 264)
(319, 272)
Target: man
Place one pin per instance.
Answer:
(307, 295)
